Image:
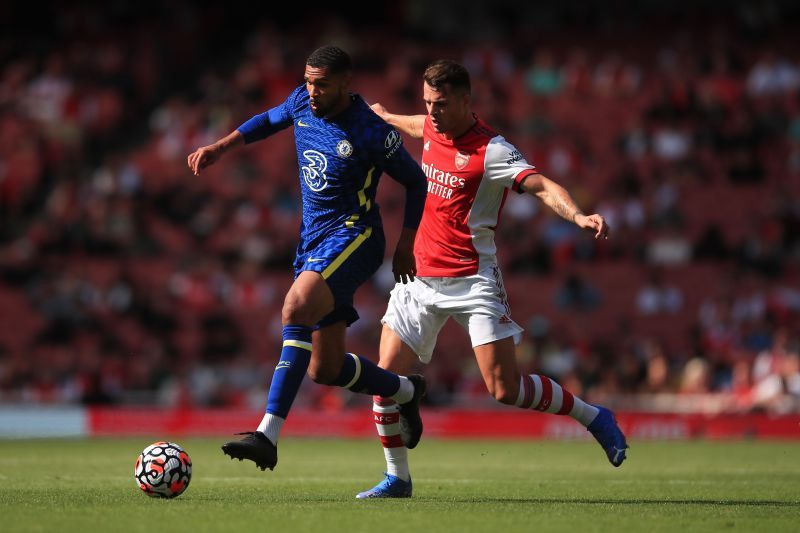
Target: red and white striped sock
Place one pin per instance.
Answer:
(386, 414)
(543, 394)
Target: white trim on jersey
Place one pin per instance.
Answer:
(503, 162)
(501, 166)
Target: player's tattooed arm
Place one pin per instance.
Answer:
(559, 200)
(552, 195)
(409, 124)
(561, 203)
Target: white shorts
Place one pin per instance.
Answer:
(418, 310)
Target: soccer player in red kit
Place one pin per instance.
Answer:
(470, 169)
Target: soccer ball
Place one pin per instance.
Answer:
(163, 470)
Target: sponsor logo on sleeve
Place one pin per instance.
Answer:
(392, 143)
(391, 139)
(513, 157)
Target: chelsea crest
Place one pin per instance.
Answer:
(344, 148)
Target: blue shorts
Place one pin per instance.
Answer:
(346, 258)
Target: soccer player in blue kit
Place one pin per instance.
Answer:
(342, 149)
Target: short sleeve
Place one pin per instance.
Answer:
(271, 121)
(506, 165)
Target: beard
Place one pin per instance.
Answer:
(331, 101)
(322, 109)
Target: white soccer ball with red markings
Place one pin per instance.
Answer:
(163, 470)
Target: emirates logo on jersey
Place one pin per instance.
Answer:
(462, 160)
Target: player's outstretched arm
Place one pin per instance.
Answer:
(559, 200)
(408, 124)
(208, 155)
(254, 129)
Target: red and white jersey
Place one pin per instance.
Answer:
(468, 180)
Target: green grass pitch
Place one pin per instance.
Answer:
(464, 486)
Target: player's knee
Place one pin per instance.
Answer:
(321, 373)
(295, 312)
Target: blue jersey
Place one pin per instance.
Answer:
(341, 160)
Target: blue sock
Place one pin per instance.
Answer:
(291, 368)
(362, 375)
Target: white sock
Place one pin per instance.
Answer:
(406, 391)
(386, 415)
(271, 426)
(583, 412)
(397, 462)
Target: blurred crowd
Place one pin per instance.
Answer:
(125, 279)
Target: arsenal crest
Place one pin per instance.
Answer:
(461, 160)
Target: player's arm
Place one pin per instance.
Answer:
(208, 155)
(402, 168)
(559, 200)
(408, 124)
(258, 127)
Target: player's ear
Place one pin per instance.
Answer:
(347, 77)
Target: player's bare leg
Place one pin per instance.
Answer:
(401, 359)
(358, 374)
(306, 302)
(323, 355)
(498, 366)
(397, 357)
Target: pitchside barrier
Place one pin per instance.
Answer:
(27, 421)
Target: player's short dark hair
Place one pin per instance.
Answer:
(331, 57)
(447, 72)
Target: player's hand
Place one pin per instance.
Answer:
(379, 110)
(203, 157)
(595, 223)
(404, 266)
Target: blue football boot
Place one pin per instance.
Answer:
(390, 487)
(605, 430)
